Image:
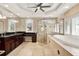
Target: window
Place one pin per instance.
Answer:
(56, 26)
(75, 25)
(46, 25)
(67, 26)
(49, 25)
(61, 26)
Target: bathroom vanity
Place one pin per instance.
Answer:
(10, 41)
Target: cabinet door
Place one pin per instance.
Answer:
(0, 45)
(7, 46)
(19, 39)
(17, 43)
(12, 46)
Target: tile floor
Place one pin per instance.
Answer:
(33, 49)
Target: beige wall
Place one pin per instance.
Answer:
(74, 10)
(67, 18)
(35, 25)
(21, 25)
(5, 24)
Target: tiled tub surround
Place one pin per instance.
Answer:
(68, 42)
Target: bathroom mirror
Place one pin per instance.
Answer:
(12, 25)
(67, 26)
(61, 26)
(75, 25)
(29, 25)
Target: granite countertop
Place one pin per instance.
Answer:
(10, 35)
(17, 33)
(31, 32)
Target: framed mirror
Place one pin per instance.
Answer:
(11, 25)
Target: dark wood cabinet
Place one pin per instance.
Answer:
(7, 47)
(19, 40)
(34, 38)
(10, 43)
(33, 35)
(0, 44)
(11, 40)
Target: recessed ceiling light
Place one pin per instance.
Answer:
(6, 5)
(11, 14)
(66, 7)
(18, 13)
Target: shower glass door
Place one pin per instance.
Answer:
(45, 27)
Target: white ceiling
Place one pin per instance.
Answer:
(22, 10)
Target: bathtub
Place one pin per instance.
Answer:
(68, 42)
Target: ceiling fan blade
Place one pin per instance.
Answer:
(45, 6)
(41, 9)
(31, 7)
(36, 10)
(39, 4)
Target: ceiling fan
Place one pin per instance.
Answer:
(40, 6)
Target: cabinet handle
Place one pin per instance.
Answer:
(58, 52)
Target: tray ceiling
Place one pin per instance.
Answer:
(23, 10)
